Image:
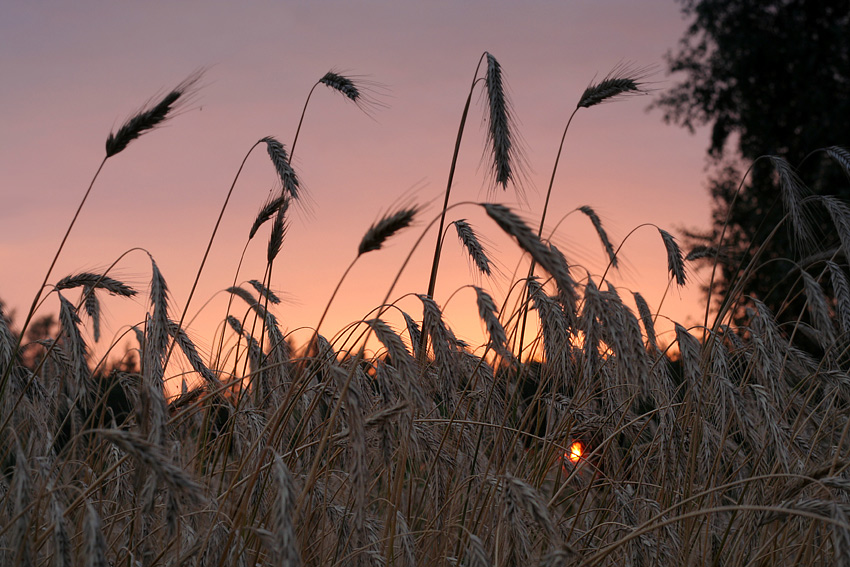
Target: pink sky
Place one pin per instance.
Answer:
(73, 72)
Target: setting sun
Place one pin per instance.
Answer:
(576, 452)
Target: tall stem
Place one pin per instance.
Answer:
(540, 228)
(61, 246)
(209, 246)
(31, 312)
(554, 170)
(432, 282)
(300, 121)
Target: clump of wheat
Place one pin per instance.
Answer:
(598, 440)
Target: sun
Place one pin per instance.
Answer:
(576, 451)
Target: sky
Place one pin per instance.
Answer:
(73, 72)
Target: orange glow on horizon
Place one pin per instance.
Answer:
(162, 195)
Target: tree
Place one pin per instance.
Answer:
(771, 77)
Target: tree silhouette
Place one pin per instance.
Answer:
(769, 77)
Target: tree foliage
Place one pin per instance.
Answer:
(770, 77)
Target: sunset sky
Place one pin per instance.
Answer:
(72, 72)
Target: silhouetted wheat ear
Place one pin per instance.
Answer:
(92, 306)
(490, 315)
(819, 310)
(603, 236)
(152, 115)
(364, 93)
(267, 211)
(277, 234)
(675, 262)
(499, 124)
(473, 245)
(414, 332)
(621, 81)
(379, 232)
(76, 345)
(554, 323)
(551, 261)
(265, 292)
(341, 84)
(401, 359)
(152, 456)
(157, 335)
(646, 319)
(188, 347)
(281, 163)
(98, 281)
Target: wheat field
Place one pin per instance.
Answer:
(573, 436)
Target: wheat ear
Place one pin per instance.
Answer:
(473, 246)
(675, 262)
(504, 149)
(287, 175)
(501, 130)
(362, 93)
(600, 231)
(95, 543)
(383, 229)
(551, 261)
(623, 80)
(152, 115)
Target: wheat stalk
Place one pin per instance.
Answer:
(267, 211)
(188, 347)
(490, 315)
(473, 246)
(284, 530)
(792, 192)
(552, 262)
(151, 115)
(505, 153)
(647, 319)
(96, 281)
(384, 228)
(95, 543)
(287, 175)
(623, 80)
(675, 261)
(265, 292)
(600, 231)
(840, 156)
(76, 347)
(61, 539)
(21, 500)
(841, 287)
(276, 236)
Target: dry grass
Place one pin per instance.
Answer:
(729, 446)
